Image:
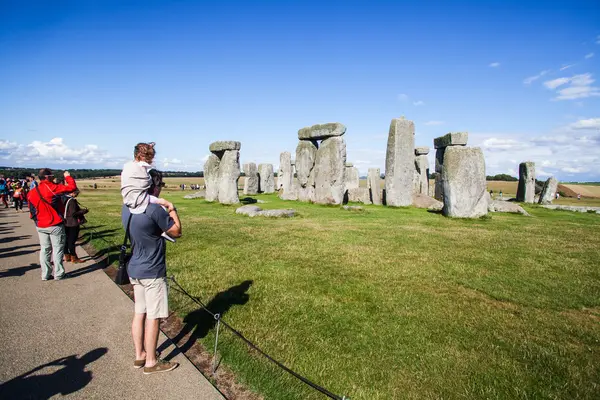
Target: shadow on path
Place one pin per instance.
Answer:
(17, 253)
(199, 322)
(70, 378)
(13, 238)
(18, 271)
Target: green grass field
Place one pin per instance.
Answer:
(394, 303)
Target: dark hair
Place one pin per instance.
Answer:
(44, 173)
(157, 180)
(144, 151)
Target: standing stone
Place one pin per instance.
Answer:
(374, 185)
(211, 178)
(526, 189)
(400, 163)
(359, 195)
(329, 171)
(229, 174)
(550, 188)
(251, 183)
(439, 162)
(266, 179)
(422, 170)
(440, 144)
(306, 154)
(463, 176)
(351, 177)
(284, 179)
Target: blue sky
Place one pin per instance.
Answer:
(84, 81)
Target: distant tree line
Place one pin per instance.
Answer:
(21, 173)
(501, 177)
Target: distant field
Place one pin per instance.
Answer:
(585, 190)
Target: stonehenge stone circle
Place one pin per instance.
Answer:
(251, 184)
(330, 164)
(284, 180)
(266, 178)
(440, 144)
(374, 185)
(323, 131)
(463, 177)
(211, 178)
(550, 188)
(400, 163)
(229, 174)
(526, 188)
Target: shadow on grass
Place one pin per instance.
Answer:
(88, 234)
(72, 376)
(199, 322)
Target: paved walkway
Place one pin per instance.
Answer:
(72, 337)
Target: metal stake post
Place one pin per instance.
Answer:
(218, 318)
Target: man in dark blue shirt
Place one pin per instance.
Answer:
(147, 271)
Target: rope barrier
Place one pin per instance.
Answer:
(220, 321)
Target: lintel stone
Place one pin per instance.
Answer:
(451, 139)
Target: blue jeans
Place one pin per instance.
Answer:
(52, 242)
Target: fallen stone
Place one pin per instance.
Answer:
(255, 211)
(322, 131)
(526, 188)
(198, 195)
(581, 209)
(424, 201)
(374, 185)
(251, 183)
(211, 177)
(400, 163)
(329, 171)
(463, 177)
(359, 195)
(451, 139)
(224, 145)
(421, 151)
(266, 178)
(548, 191)
(229, 174)
(506, 207)
(352, 208)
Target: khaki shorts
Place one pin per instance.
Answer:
(151, 297)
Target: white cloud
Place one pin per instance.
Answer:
(418, 103)
(567, 67)
(579, 87)
(494, 65)
(589, 55)
(403, 97)
(531, 79)
(592, 123)
(434, 123)
(6, 145)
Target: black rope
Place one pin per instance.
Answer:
(252, 345)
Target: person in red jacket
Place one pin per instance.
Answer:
(46, 210)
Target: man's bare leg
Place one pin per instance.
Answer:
(137, 332)
(151, 340)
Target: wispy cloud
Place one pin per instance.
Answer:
(531, 79)
(434, 123)
(567, 67)
(592, 123)
(589, 55)
(494, 65)
(403, 97)
(418, 103)
(579, 87)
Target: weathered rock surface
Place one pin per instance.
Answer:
(255, 211)
(573, 208)
(251, 183)
(422, 170)
(229, 174)
(526, 188)
(349, 164)
(329, 171)
(374, 185)
(322, 131)
(352, 208)
(224, 145)
(351, 178)
(424, 201)
(463, 177)
(400, 163)
(306, 154)
(211, 177)
(266, 178)
(421, 151)
(548, 191)
(292, 192)
(506, 207)
(284, 180)
(198, 195)
(359, 195)
(451, 139)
